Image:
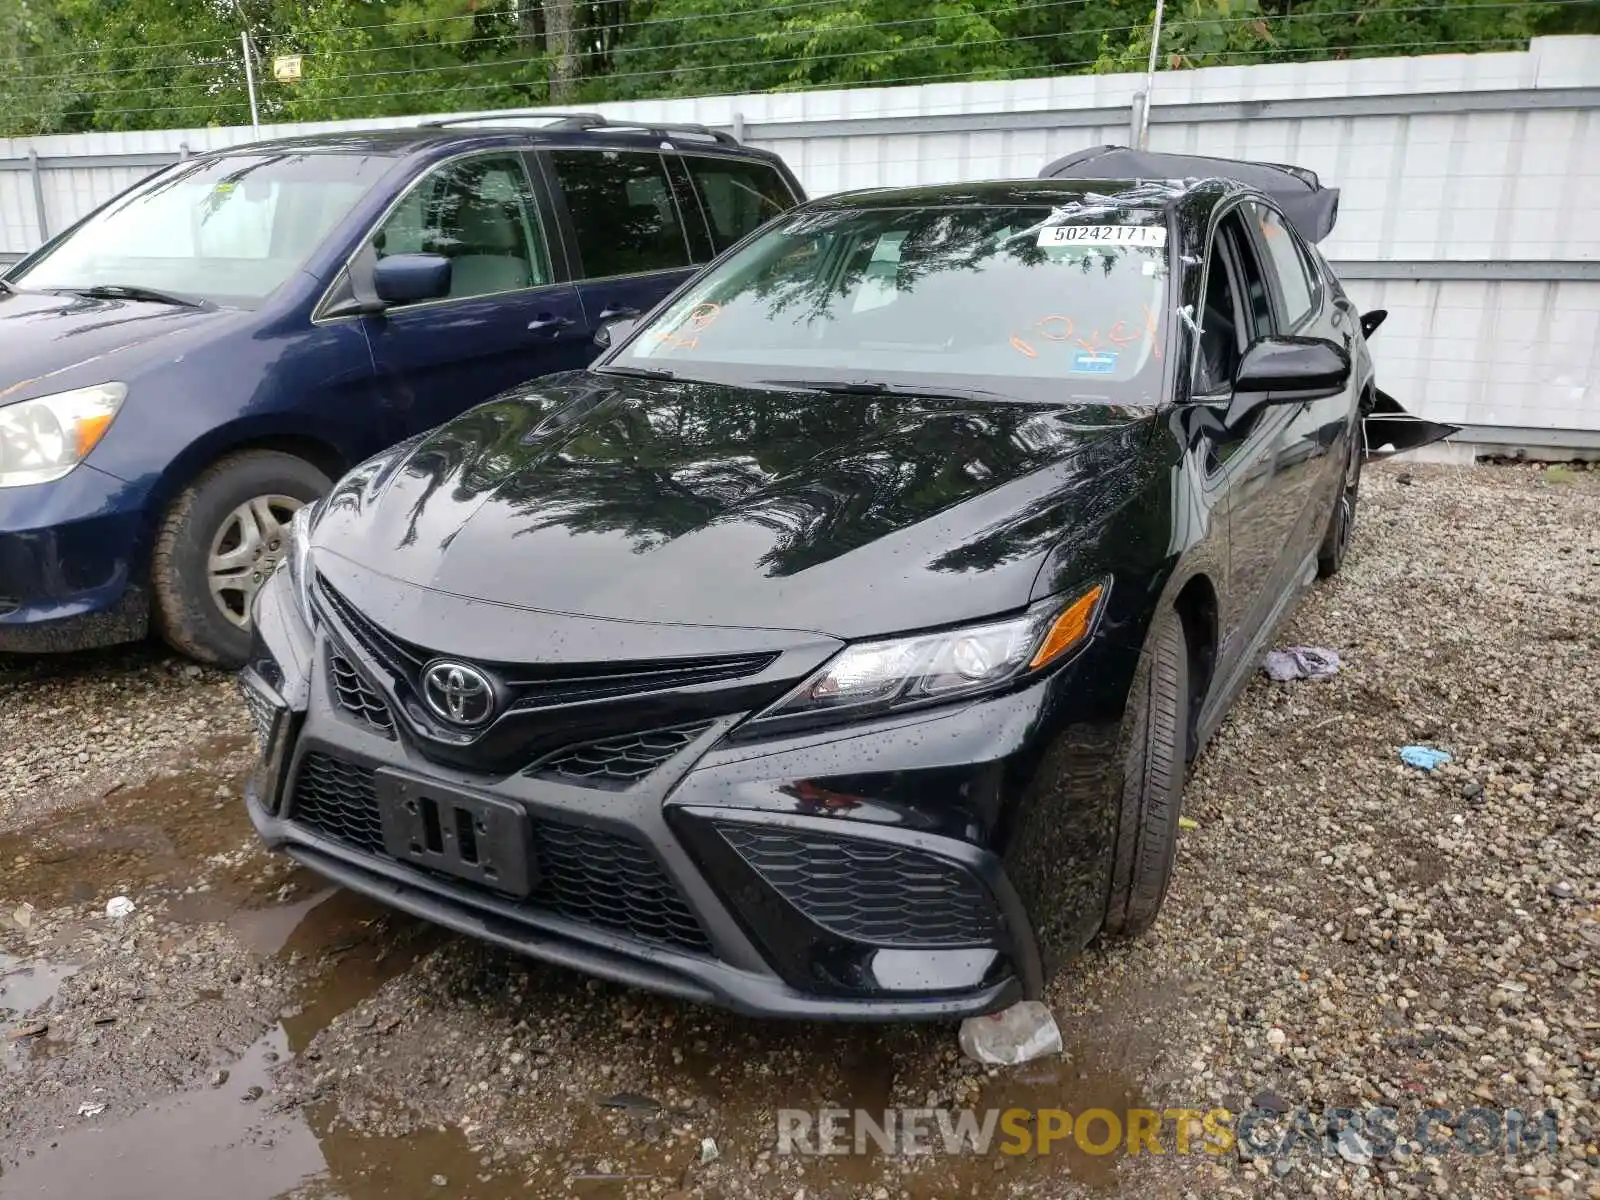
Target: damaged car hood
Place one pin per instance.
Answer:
(716, 505)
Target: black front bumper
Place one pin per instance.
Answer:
(845, 875)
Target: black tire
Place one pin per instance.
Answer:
(1152, 790)
(188, 616)
(1342, 523)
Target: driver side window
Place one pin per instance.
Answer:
(480, 214)
(1237, 308)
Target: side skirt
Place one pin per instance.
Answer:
(1222, 696)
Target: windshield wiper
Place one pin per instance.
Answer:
(877, 387)
(134, 291)
(638, 372)
(7, 286)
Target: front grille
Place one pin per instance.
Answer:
(869, 891)
(584, 874)
(262, 713)
(619, 762)
(338, 799)
(537, 685)
(401, 658)
(356, 696)
(603, 879)
(540, 688)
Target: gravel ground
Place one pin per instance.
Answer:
(1343, 930)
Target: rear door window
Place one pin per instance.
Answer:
(1288, 264)
(738, 195)
(623, 214)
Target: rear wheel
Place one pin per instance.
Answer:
(1342, 524)
(1153, 779)
(221, 539)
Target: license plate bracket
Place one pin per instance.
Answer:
(478, 838)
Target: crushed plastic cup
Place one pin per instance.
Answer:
(1025, 1031)
(118, 907)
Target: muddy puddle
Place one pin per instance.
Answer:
(157, 838)
(26, 985)
(178, 1147)
(183, 1147)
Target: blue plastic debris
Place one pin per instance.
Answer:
(1424, 757)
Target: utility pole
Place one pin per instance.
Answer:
(250, 82)
(1150, 80)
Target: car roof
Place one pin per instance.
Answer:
(1148, 194)
(414, 139)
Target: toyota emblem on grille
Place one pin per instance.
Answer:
(460, 694)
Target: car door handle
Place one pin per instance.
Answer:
(549, 321)
(621, 312)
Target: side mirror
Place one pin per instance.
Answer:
(611, 332)
(1287, 370)
(407, 278)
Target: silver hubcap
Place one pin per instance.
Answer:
(245, 550)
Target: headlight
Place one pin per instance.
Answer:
(298, 561)
(872, 677)
(43, 439)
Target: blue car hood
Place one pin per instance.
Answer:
(50, 342)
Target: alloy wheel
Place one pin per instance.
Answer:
(246, 550)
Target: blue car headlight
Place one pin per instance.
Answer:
(44, 438)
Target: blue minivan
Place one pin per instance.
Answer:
(190, 364)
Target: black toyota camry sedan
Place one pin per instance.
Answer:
(836, 645)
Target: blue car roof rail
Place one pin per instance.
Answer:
(581, 121)
(512, 114)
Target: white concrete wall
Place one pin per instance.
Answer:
(1470, 203)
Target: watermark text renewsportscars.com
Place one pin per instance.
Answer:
(1358, 1135)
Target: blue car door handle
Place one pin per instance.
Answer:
(548, 321)
(620, 311)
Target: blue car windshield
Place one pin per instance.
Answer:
(227, 230)
(1035, 302)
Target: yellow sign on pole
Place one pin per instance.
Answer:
(286, 68)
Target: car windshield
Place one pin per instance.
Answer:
(225, 230)
(1035, 302)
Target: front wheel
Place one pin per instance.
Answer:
(1342, 524)
(221, 539)
(1153, 779)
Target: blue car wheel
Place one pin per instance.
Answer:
(221, 539)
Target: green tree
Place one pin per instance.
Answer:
(35, 94)
(70, 65)
(1204, 33)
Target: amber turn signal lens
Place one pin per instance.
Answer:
(91, 429)
(1070, 628)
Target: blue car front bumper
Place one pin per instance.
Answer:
(72, 560)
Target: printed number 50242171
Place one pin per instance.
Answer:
(1108, 235)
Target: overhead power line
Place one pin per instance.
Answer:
(990, 74)
(681, 47)
(690, 48)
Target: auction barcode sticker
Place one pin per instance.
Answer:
(1114, 235)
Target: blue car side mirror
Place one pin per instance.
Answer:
(407, 278)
